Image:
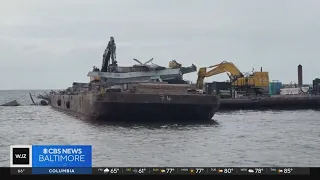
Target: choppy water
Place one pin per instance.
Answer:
(242, 138)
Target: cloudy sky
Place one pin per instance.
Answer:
(48, 44)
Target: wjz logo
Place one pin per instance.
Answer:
(20, 156)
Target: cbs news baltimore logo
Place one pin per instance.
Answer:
(21, 156)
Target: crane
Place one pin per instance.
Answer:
(256, 80)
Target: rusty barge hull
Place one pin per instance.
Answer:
(276, 103)
(120, 106)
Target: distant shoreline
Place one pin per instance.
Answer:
(29, 89)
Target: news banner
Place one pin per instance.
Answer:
(77, 159)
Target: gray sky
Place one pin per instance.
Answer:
(48, 44)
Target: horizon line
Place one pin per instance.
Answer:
(29, 89)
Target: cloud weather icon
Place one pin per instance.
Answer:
(106, 170)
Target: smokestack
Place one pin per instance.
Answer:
(300, 75)
(261, 69)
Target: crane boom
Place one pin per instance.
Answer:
(222, 67)
(109, 54)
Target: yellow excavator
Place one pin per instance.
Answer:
(254, 82)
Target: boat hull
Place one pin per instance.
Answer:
(118, 106)
(277, 103)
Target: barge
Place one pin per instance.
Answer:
(133, 106)
(140, 92)
(291, 102)
(288, 98)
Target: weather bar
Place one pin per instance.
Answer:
(166, 171)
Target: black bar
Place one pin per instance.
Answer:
(314, 171)
(183, 171)
(4, 171)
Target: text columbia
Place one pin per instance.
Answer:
(61, 171)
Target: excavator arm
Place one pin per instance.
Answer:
(109, 54)
(224, 66)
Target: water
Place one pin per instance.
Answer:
(242, 138)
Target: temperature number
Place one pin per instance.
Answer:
(169, 170)
(20, 171)
(258, 170)
(287, 170)
(114, 170)
(142, 170)
(199, 170)
(228, 170)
